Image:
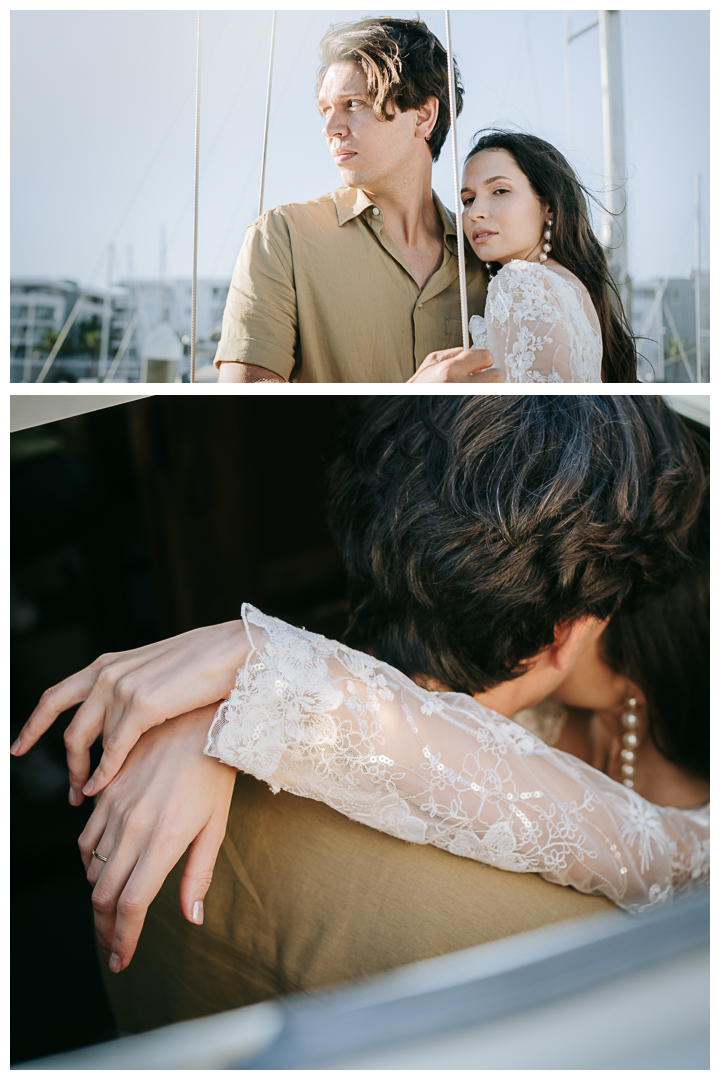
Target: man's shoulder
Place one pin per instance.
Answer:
(298, 216)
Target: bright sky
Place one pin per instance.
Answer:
(102, 134)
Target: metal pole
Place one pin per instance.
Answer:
(193, 327)
(123, 346)
(698, 339)
(456, 177)
(267, 116)
(106, 317)
(615, 223)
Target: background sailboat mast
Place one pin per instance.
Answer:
(698, 279)
(613, 111)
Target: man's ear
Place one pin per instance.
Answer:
(427, 116)
(568, 637)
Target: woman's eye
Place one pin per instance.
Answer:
(468, 200)
(501, 191)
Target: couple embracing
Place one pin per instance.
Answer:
(361, 285)
(540, 559)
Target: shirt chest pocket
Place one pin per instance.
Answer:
(453, 333)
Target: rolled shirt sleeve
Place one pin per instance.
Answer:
(260, 321)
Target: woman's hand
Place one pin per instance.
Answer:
(125, 694)
(458, 365)
(168, 795)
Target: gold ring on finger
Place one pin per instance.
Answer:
(102, 858)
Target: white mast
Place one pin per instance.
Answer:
(615, 223)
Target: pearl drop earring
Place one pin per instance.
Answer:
(546, 246)
(489, 269)
(630, 740)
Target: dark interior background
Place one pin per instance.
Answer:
(128, 524)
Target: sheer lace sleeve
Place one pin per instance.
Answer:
(537, 328)
(320, 720)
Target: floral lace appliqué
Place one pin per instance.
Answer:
(537, 328)
(315, 718)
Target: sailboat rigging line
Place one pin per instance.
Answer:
(61, 338)
(267, 115)
(456, 177)
(193, 327)
(123, 346)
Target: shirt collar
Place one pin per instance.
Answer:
(350, 203)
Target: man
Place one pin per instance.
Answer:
(487, 541)
(362, 284)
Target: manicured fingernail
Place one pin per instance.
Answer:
(72, 798)
(89, 787)
(15, 747)
(198, 911)
(115, 962)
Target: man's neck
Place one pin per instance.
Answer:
(409, 212)
(526, 690)
(412, 220)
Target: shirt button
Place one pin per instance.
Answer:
(375, 211)
(419, 305)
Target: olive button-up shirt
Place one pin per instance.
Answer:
(320, 293)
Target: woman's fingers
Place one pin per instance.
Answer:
(133, 719)
(490, 375)
(199, 867)
(137, 891)
(90, 838)
(54, 701)
(457, 365)
(111, 884)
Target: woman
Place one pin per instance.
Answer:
(553, 313)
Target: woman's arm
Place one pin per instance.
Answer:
(323, 721)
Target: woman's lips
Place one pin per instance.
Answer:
(482, 236)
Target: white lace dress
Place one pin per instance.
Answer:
(318, 719)
(540, 326)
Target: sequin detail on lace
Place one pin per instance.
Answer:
(315, 718)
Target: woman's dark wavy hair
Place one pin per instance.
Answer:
(471, 526)
(663, 646)
(574, 244)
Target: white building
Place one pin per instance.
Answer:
(663, 313)
(39, 308)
